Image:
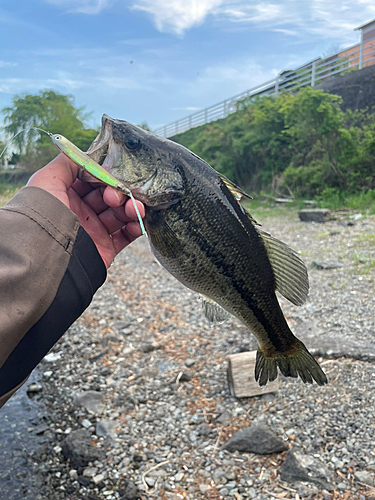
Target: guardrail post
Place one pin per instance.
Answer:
(361, 51)
(313, 74)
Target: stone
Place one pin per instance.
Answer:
(314, 215)
(257, 439)
(106, 428)
(89, 472)
(130, 492)
(77, 448)
(203, 430)
(365, 477)
(99, 478)
(187, 375)
(91, 400)
(329, 264)
(225, 418)
(189, 362)
(300, 467)
(179, 476)
(34, 389)
(204, 487)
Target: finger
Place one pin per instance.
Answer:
(94, 199)
(131, 212)
(124, 236)
(115, 218)
(113, 198)
(82, 188)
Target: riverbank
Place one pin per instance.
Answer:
(160, 408)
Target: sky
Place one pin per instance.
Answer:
(156, 61)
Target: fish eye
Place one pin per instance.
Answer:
(132, 143)
(57, 137)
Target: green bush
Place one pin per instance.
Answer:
(299, 144)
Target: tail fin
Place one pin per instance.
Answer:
(300, 362)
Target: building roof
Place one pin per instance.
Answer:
(364, 25)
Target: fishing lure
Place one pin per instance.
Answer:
(84, 161)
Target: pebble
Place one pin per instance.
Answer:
(180, 426)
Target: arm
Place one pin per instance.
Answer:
(49, 265)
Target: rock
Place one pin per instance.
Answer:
(187, 375)
(52, 357)
(179, 476)
(257, 439)
(89, 472)
(34, 388)
(99, 478)
(189, 362)
(204, 487)
(78, 449)
(91, 400)
(225, 418)
(130, 492)
(106, 428)
(86, 423)
(299, 467)
(329, 264)
(314, 215)
(203, 430)
(365, 477)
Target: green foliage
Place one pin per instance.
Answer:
(299, 144)
(52, 112)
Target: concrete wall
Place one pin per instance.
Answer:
(357, 88)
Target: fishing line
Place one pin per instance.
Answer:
(128, 192)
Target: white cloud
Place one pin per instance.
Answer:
(7, 64)
(229, 79)
(177, 16)
(82, 6)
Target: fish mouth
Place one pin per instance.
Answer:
(99, 148)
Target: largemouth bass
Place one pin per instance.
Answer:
(202, 235)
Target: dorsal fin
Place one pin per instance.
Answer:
(290, 272)
(237, 192)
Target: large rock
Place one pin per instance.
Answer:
(91, 400)
(78, 449)
(257, 439)
(300, 467)
(314, 215)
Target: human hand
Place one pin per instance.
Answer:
(107, 215)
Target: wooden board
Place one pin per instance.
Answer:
(241, 379)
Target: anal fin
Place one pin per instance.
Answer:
(213, 312)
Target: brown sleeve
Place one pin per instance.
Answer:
(37, 234)
(49, 270)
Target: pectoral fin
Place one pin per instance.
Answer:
(290, 272)
(162, 237)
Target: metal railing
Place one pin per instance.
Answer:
(312, 73)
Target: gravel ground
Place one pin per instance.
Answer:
(164, 410)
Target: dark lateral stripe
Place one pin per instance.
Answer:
(85, 274)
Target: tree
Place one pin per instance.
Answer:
(50, 111)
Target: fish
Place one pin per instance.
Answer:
(200, 233)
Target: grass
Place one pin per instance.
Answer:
(7, 191)
(336, 200)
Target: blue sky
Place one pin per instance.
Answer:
(160, 60)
